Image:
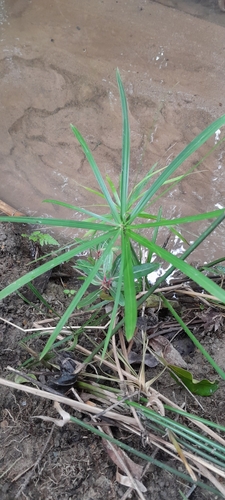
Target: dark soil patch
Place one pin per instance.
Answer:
(74, 463)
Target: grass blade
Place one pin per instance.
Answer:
(53, 263)
(58, 222)
(136, 192)
(96, 173)
(129, 289)
(193, 338)
(179, 221)
(79, 209)
(113, 189)
(115, 309)
(63, 320)
(185, 268)
(125, 149)
(191, 148)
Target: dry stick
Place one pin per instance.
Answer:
(27, 480)
(83, 407)
(64, 330)
(181, 289)
(8, 210)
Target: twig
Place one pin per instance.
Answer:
(63, 330)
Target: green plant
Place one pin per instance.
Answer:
(106, 279)
(41, 238)
(69, 292)
(122, 225)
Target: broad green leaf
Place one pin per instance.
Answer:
(144, 269)
(19, 379)
(116, 266)
(107, 264)
(91, 297)
(113, 292)
(200, 387)
(96, 173)
(129, 289)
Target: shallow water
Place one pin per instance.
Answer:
(57, 65)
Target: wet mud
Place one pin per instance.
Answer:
(57, 67)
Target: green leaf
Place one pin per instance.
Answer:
(19, 379)
(188, 151)
(115, 309)
(41, 238)
(80, 210)
(137, 190)
(125, 149)
(53, 263)
(97, 173)
(58, 222)
(180, 220)
(199, 387)
(107, 264)
(89, 299)
(116, 266)
(144, 269)
(112, 295)
(113, 189)
(185, 268)
(78, 296)
(129, 289)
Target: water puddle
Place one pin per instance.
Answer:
(57, 65)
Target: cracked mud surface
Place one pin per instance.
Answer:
(57, 67)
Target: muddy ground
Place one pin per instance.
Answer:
(57, 66)
(74, 464)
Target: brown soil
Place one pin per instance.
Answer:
(74, 464)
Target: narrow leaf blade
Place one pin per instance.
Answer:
(129, 289)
